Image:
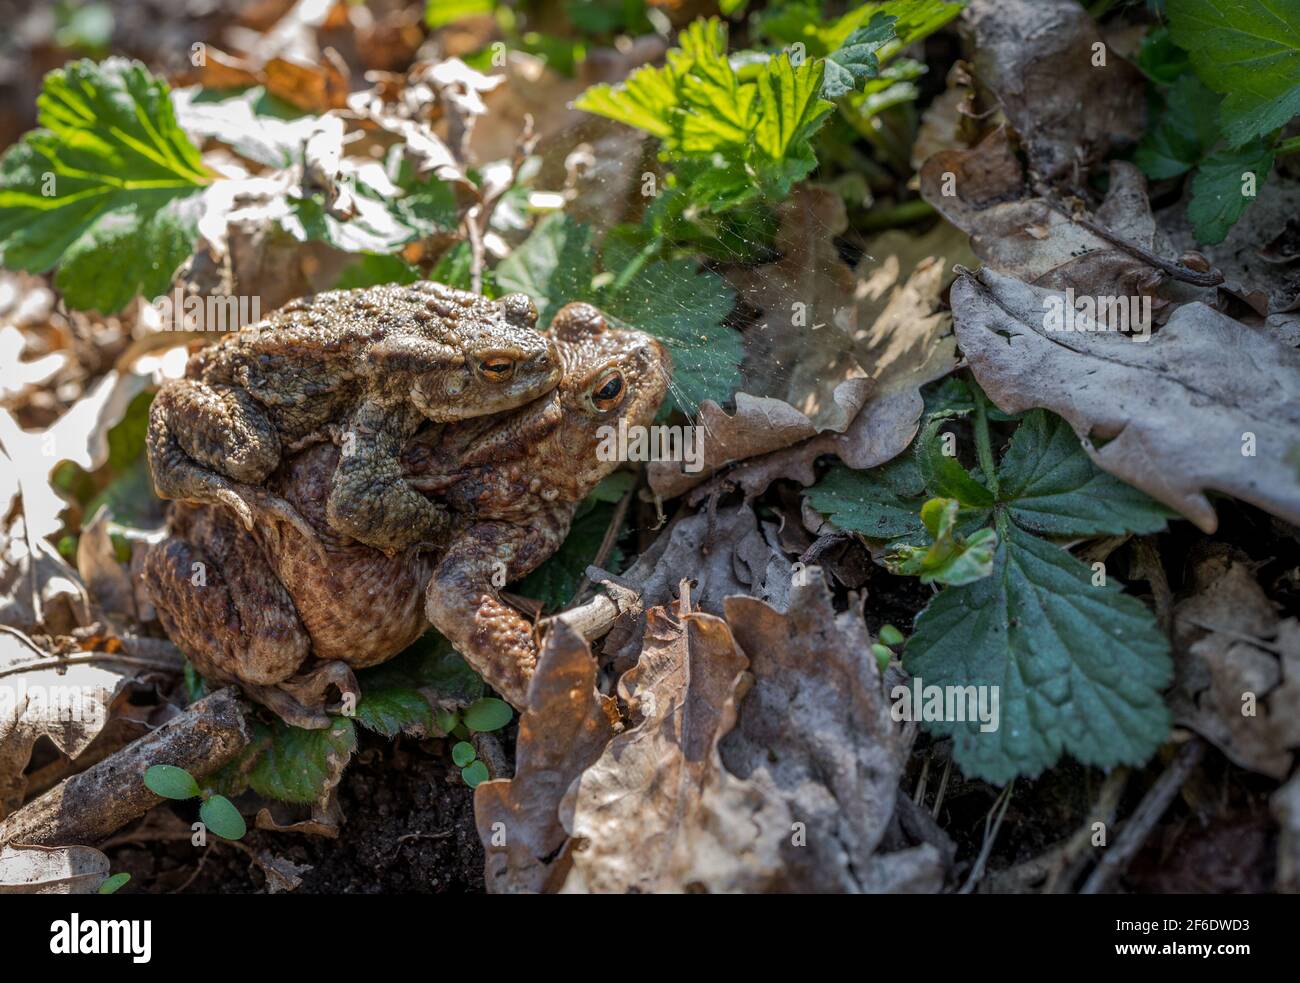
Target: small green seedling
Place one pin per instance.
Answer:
(217, 812)
(890, 639)
(481, 716)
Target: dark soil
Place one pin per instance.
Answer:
(408, 829)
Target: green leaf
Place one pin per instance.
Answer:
(883, 503)
(487, 714)
(106, 190)
(553, 266)
(475, 775)
(944, 476)
(1183, 133)
(112, 884)
(891, 635)
(440, 13)
(952, 558)
(791, 106)
(1249, 50)
(297, 765)
(1161, 59)
(1218, 190)
(856, 60)
(429, 665)
(646, 100)
(374, 268)
(1079, 668)
(462, 753)
(221, 816)
(1053, 488)
(170, 782)
(395, 711)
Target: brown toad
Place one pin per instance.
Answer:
(285, 623)
(365, 368)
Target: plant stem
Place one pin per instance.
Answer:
(983, 448)
(1291, 146)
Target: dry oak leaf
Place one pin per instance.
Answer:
(51, 870)
(562, 732)
(658, 812)
(816, 725)
(1040, 59)
(1207, 404)
(1237, 680)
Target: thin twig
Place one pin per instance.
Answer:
(991, 826)
(1139, 825)
(606, 544)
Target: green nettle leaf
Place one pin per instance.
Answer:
(1224, 186)
(791, 111)
(1183, 133)
(856, 60)
(882, 504)
(462, 753)
(487, 713)
(170, 782)
(393, 711)
(943, 475)
(221, 816)
(1079, 668)
(475, 775)
(1078, 664)
(112, 884)
(952, 559)
(646, 100)
(554, 265)
(429, 665)
(297, 764)
(1249, 50)
(106, 190)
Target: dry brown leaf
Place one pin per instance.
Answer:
(561, 733)
(1238, 668)
(51, 870)
(1206, 404)
(884, 329)
(1038, 58)
(41, 697)
(981, 191)
(816, 726)
(657, 811)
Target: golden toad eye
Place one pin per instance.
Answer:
(608, 392)
(498, 368)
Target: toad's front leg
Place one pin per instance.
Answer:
(464, 604)
(370, 498)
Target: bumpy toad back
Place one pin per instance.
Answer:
(361, 367)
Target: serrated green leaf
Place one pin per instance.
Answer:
(299, 765)
(170, 782)
(944, 476)
(1160, 59)
(1079, 668)
(462, 753)
(1219, 188)
(222, 818)
(791, 105)
(106, 190)
(1051, 487)
(487, 714)
(856, 60)
(1183, 132)
(1249, 50)
(395, 711)
(883, 503)
(430, 665)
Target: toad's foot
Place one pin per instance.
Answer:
(301, 701)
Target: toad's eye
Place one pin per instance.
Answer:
(497, 368)
(608, 392)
